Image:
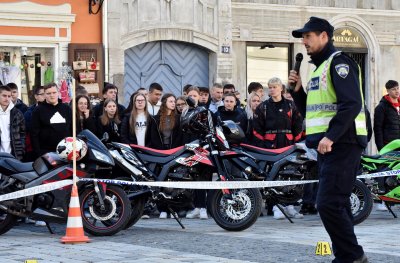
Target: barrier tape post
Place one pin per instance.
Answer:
(74, 232)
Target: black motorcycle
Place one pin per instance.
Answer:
(105, 209)
(291, 163)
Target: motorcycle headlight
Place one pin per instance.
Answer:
(102, 157)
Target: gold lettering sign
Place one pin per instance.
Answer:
(348, 37)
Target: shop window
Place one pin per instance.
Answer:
(88, 69)
(267, 60)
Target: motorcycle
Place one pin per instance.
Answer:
(292, 163)
(233, 210)
(105, 209)
(385, 189)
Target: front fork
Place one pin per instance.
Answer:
(221, 169)
(101, 193)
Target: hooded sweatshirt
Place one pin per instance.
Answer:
(5, 145)
(386, 122)
(50, 124)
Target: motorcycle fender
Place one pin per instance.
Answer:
(369, 160)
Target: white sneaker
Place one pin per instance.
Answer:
(381, 207)
(145, 217)
(291, 212)
(172, 216)
(203, 213)
(29, 221)
(40, 223)
(163, 215)
(277, 213)
(195, 213)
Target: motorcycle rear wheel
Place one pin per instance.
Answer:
(7, 221)
(237, 214)
(106, 222)
(361, 202)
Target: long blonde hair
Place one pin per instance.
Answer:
(248, 109)
(134, 113)
(105, 120)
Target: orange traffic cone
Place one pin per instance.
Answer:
(74, 233)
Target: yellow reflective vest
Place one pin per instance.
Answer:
(322, 101)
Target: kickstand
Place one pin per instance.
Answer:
(175, 215)
(49, 228)
(390, 210)
(284, 213)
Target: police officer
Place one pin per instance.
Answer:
(335, 125)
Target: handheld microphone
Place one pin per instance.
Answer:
(299, 59)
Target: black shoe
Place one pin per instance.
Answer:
(182, 213)
(269, 210)
(308, 209)
(362, 259)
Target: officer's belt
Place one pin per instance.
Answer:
(278, 131)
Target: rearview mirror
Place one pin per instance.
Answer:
(190, 102)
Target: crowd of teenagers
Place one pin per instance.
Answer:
(152, 119)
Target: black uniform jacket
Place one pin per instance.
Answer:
(341, 128)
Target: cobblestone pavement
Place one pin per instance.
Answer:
(157, 240)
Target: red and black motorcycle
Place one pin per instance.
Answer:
(232, 210)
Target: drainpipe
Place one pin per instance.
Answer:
(105, 38)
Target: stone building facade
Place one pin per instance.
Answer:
(227, 30)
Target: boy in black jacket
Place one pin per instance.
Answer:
(51, 122)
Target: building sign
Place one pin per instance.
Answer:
(226, 49)
(348, 37)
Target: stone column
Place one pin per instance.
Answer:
(224, 60)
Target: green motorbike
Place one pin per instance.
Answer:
(385, 189)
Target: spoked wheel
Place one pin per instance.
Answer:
(236, 211)
(361, 202)
(7, 221)
(107, 220)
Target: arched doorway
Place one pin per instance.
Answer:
(351, 41)
(172, 64)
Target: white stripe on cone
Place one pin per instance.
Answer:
(74, 202)
(74, 222)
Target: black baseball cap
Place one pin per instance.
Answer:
(313, 25)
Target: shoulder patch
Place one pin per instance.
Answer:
(342, 70)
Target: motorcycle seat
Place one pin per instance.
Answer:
(376, 156)
(278, 151)
(155, 152)
(16, 165)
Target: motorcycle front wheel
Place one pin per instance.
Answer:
(236, 211)
(361, 202)
(107, 220)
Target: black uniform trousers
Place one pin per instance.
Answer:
(337, 174)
